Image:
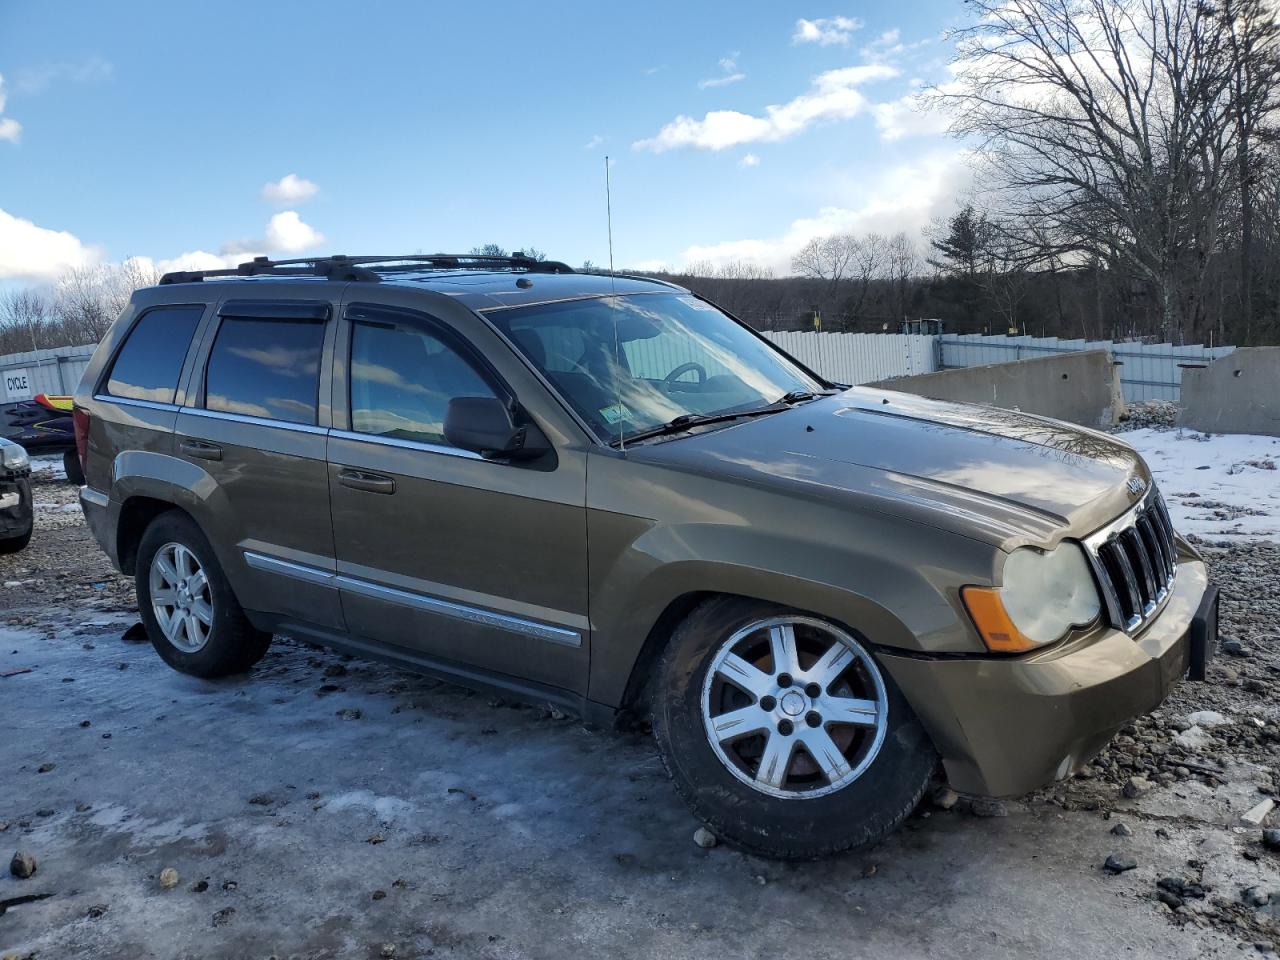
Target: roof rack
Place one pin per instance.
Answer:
(340, 267)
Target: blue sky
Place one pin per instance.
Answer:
(152, 129)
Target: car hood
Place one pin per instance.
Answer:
(993, 474)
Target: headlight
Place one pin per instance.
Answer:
(1043, 596)
(14, 457)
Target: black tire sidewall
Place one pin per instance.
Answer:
(224, 651)
(857, 814)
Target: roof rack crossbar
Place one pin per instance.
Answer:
(340, 267)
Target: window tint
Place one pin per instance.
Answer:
(402, 379)
(266, 368)
(148, 365)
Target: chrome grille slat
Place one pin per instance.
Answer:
(1135, 561)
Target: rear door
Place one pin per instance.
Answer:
(455, 557)
(256, 425)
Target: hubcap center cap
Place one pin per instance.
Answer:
(793, 703)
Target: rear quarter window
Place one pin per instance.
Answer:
(266, 368)
(150, 362)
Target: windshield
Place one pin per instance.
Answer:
(674, 356)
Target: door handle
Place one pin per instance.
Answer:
(368, 482)
(201, 449)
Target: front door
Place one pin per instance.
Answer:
(457, 558)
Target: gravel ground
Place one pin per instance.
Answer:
(325, 807)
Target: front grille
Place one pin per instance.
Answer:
(1135, 560)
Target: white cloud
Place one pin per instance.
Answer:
(832, 97)
(36, 79)
(31, 252)
(287, 232)
(749, 160)
(729, 73)
(290, 188)
(10, 129)
(905, 198)
(907, 117)
(825, 31)
(594, 142)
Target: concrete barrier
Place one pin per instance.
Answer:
(1079, 387)
(1238, 393)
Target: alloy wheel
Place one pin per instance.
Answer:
(180, 597)
(794, 707)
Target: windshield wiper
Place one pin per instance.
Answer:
(687, 421)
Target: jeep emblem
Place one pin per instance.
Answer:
(1136, 485)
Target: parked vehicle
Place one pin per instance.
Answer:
(606, 494)
(16, 511)
(43, 425)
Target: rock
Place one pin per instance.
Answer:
(704, 838)
(985, 807)
(45, 767)
(86, 723)
(223, 916)
(1194, 738)
(1234, 647)
(388, 950)
(870, 870)
(96, 911)
(379, 894)
(1255, 897)
(262, 800)
(944, 798)
(83, 807)
(200, 886)
(349, 714)
(1135, 787)
(1181, 888)
(1171, 900)
(1207, 718)
(1119, 864)
(1256, 814)
(168, 878)
(45, 812)
(1122, 830)
(1271, 838)
(23, 865)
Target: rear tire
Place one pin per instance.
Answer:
(193, 618)
(795, 769)
(71, 464)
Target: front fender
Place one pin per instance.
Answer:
(895, 588)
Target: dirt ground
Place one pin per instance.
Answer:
(323, 807)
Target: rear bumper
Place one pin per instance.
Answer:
(102, 514)
(1005, 727)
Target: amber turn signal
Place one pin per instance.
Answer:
(993, 623)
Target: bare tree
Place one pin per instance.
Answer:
(1107, 122)
(26, 321)
(901, 266)
(827, 259)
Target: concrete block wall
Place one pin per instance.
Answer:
(1238, 393)
(1081, 388)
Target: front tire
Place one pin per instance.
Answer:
(783, 734)
(193, 618)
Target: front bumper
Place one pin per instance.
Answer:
(1005, 727)
(16, 510)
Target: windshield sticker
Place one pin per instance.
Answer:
(614, 413)
(697, 304)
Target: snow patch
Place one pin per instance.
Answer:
(386, 809)
(1217, 486)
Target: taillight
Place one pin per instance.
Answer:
(80, 417)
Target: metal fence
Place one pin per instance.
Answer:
(860, 357)
(56, 371)
(1149, 371)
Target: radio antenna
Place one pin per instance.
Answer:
(618, 408)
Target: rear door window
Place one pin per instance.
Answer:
(266, 368)
(150, 362)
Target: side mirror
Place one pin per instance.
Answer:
(486, 426)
